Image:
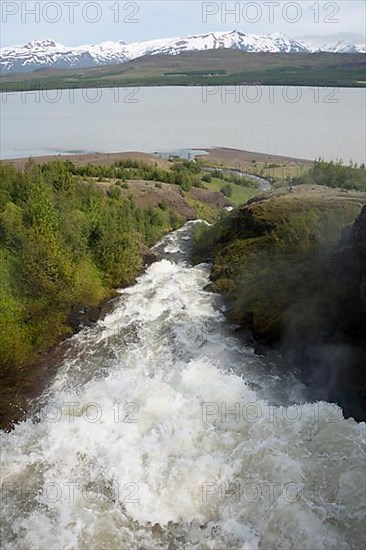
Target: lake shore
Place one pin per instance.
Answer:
(242, 159)
(231, 158)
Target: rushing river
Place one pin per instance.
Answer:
(163, 430)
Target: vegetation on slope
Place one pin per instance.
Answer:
(213, 68)
(68, 237)
(187, 174)
(263, 253)
(274, 259)
(334, 174)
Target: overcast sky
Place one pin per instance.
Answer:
(83, 21)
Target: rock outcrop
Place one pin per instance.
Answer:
(293, 269)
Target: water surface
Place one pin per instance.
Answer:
(162, 430)
(299, 122)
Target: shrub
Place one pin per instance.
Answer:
(227, 190)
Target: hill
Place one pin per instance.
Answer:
(293, 273)
(69, 236)
(204, 68)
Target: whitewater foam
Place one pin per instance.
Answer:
(157, 433)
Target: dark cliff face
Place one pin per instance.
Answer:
(358, 239)
(333, 355)
(338, 362)
(352, 259)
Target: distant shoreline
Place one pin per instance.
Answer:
(215, 155)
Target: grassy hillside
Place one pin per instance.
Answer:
(214, 67)
(265, 253)
(293, 273)
(69, 235)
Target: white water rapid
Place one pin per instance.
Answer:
(163, 430)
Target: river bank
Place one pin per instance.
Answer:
(15, 406)
(67, 242)
(163, 198)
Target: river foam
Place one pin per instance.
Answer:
(162, 430)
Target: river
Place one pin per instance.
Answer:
(163, 430)
(292, 121)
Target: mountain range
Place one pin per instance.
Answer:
(47, 54)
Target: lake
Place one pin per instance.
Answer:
(292, 121)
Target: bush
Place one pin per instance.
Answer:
(114, 193)
(65, 244)
(227, 190)
(334, 174)
(217, 174)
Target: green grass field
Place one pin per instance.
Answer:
(280, 172)
(240, 194)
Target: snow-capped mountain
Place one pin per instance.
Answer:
(235, 40)
(48, 53)
(336, 43)
(42, 54)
